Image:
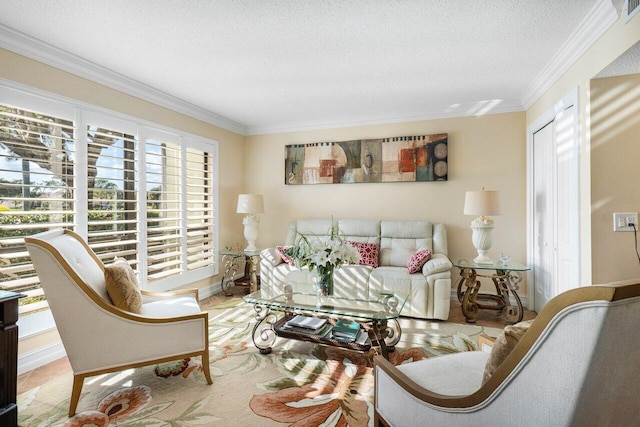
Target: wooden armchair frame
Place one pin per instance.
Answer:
(72, 277)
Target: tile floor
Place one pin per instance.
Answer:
(45, 373)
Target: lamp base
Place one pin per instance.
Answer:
(251, 232)
(482, 258)
(482, 238)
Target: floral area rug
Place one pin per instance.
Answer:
(298, 384)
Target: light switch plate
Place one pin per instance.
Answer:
(622, 221)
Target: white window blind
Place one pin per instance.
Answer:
(164, 209)
(112, 194)
(37, 154)
(200, 208)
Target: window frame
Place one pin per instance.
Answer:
(82, 114)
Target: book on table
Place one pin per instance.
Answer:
(345, 330)
(306, 324)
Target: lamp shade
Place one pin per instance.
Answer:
(482, 203)
(250, 204)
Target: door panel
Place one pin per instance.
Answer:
(544, 224)
(568, 252)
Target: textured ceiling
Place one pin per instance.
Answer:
(284, 65)
(627, 63)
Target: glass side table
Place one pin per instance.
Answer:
(230, 260)
(505, 277)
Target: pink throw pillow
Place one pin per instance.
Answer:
(286, 258)
(369, 253)
(418, 260)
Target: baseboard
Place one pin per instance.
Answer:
(42, 356)
(523, 298)
(204, 293)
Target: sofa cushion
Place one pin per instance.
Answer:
(360, 230)
(401, 239)
(312, 229)
(122, 290)
(398, 279)
(349, 281)
(504, 344)
(369, 253)
(418, 260)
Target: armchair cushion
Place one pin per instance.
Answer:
(506, 341)
(122, 290)
(458, 374)
(183, 305)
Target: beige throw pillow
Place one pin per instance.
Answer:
(506, 341)
(122, 287)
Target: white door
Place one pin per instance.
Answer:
(543, 223)
(555, 206)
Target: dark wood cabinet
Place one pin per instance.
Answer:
(9, 357)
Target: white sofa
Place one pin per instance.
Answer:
(428, 291)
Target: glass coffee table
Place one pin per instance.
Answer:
(378, 319)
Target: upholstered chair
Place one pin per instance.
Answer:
(98, 336)
(578, 364)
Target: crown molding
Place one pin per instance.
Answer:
(38, 50)
(481, 108)
(603, 15)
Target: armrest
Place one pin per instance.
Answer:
(271, 256)
(438, 263)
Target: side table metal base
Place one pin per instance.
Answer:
(506, 284)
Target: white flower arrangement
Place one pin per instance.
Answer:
(323, 254)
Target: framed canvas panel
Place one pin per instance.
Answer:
(398, 159)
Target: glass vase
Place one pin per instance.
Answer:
(325, 281)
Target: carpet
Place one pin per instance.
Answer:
(298, 384)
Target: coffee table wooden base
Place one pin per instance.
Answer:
(383, 334)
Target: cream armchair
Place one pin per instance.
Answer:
(99, 337)
(577, 365)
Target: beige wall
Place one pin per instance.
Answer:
(484, 151)
(615, 174)
(22, 70)
(612, 44)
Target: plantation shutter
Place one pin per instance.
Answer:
(112, 223)
(200, 208)
(164, 208)
(37, 154)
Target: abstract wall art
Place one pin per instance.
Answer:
(398, 159)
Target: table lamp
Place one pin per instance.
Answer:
(482, 203)
(251, 204)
